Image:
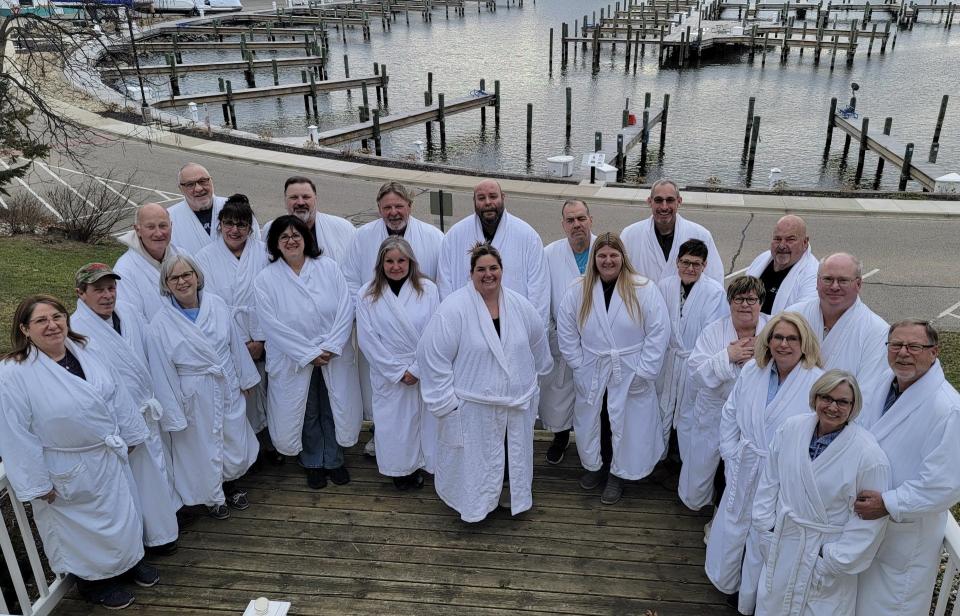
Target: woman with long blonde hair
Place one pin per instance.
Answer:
(613, 330)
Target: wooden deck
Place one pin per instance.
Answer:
(365, 548)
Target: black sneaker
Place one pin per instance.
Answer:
(165, 549)
(219, 512)
(416, 480)
(402, 483)
(316, 478)
(558, 447)
(238, 500)
(339, 475)
(114, 599)
(144, 575)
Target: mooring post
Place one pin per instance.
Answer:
(597, 145)
(496, 105)
(905, 170)
(483, 110)
(637, 49)
(886, 36)
(230, 108)
(749, 127)
(862, 152)
(887, 125)
(429, 89)
(248, 72)
(569, 96)
(621, 159)
(754, 137)
(174, 80)
(426, 103)
(276, 72)
(442, 121)
(176, 49)
(644, 138)
(663, 121)
(376, 132)
(550, 63)
(529, 129)
(365, 96)
(313, 95)
(306, 97)
(935, 145)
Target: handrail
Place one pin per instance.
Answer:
(951, 545)
(48, 594)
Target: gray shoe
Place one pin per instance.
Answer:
(504, 501)
(612, 491)
(592, 479)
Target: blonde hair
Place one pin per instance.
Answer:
(830, 380)
(627, 279)
(380, 280)
(809, 345)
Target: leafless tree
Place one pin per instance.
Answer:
(90, 210)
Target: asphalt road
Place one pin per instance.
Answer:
(910, 264)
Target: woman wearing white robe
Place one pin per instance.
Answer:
(480, 357)
(693, 300)
(812, 542)
(231, 262)
(722, 348)
(64, 440)
(306, 312)
(615, 348)
(202, 368)
(392, 311)
(771, 387)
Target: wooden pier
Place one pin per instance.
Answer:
(367, 549)
(330, 85)
(629, 136)
(170, 46)
(212, 67)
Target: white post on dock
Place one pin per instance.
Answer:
(313, 133)
(194, 113)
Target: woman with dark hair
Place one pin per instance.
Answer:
(231, 263)
(66, 428)
(203, 370)
(480, 357)
(392, 311)
(306, 312)
(613, 329)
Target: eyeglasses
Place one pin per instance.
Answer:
(749, 301)
(842, 403)
(779, 338)
(175, 278)
(841, 282)
(58, 317)
(292, 237)
(662, 200)
(203, 182)
(239, 226)
(912, 348)
(695, 265)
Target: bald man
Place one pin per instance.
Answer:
(148, 244)
(195, 218)
(788, 270)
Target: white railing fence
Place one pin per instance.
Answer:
(45, 598)
(951, 544)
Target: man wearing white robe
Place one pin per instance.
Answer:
(195, 218)
(148, 244)
(852, 337)
(333, 234)
(788, 270)
(524, 266)
(481, 386)
(652, 243)
(747, 427)
(64, 444)
(116, 334)
(693, 300)
(814, 544)
(567, 258)
(916, 420)
(200, 369)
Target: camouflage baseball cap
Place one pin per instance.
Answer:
(92, 272)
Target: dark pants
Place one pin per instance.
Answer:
(320, 447)
(606, 436)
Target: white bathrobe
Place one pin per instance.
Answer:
(706, 303)
(611, 352)
(857, 344)
(232, 279)
(126, 354)
(388, 331)
(333, 235)
(646, 256)
(747, 426)
(557, 395)
(59, 432)
(524, 267)
(303, 316)
(921, 436)
(189, 236)
(813, 544)
(800, 284)
(712, 376)
(139, 283)
(481, 387)
(199, 369)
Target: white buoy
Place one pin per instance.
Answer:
(421, 152)
(194, 112)
(775, 176)
(313, 133)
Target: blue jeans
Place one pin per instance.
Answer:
(320, 448)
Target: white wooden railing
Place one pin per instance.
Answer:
(48, 594)
(951, 544)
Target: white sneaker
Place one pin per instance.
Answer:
(369, 450)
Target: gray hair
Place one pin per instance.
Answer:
(171, 262)
(856, 262)
(573, 202)
(665, 182)
(830, 380)
(933, 336)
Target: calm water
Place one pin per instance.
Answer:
(708, 104)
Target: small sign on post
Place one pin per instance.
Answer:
(441, 204)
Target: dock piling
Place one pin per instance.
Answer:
(746, 132)
(483, 110)
(376, 132)
(887, 125)
(569, 96)
(862, 152)
(529, 129)
(663, 122)
(496, 105)
(935, 145)
(442, 121)
(905, 169)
